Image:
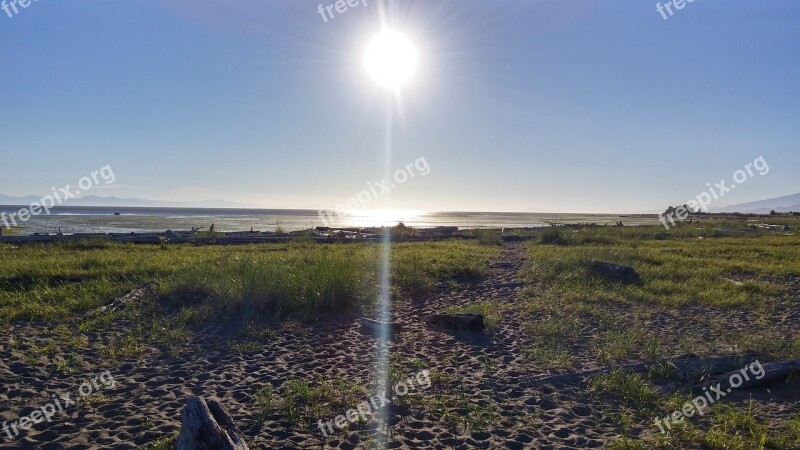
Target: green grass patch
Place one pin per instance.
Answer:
(301, 280)
(675, 272)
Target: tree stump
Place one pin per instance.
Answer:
(206, 425)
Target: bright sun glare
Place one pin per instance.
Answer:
(391, 59)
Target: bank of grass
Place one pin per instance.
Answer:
(53, 282)
(678, 271)
(572, 311)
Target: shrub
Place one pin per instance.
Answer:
(552, 235)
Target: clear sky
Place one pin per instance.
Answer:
(570, 106)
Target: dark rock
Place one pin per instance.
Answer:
(472, 322)
(379, 329)
(615, 272)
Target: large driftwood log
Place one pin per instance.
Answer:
(694, 372)
(206, 425)
(472, 322)
(688, 369)
(697, 369)
(747, 374)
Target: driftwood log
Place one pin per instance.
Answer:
(472, 322)
(694, 369)
(691, 372)
(772, 371)
(137, 295)
(206, 425)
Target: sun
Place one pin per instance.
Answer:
(391, 59)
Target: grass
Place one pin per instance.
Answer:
(551, 344)
(167, 443)
(269, 288)
(713, 275)
(726, 428)
(674, 273)
(723, 427)
(633, 389)
(302, 402)
(299, 280)
(301, 284)
(418, 267)
(487, 236)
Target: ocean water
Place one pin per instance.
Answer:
(103, 220)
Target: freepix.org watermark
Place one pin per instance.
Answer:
(369, 407)
(59, 196)
(668, 5)
(703, 199)
(341, 7)
(59, 404)
(713, 393)
(362, 199)
(13, 5)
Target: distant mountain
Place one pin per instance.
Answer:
(93, 200)
(8, 200)
(787, 203)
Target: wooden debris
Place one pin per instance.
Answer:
(136, 295)
(730, 280)
(206, 425)
(747, 374)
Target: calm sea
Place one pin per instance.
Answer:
(75, 219)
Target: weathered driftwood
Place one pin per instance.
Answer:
(206, 425)
(732, 281)
(472, 322)
(688, 369)
(136, 295)
(694, 372)
(698, 370)
(747, 374)
(377, 328)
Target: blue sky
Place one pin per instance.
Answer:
(570, 106)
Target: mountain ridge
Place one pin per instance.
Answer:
(94, 200)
